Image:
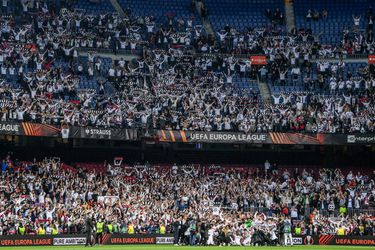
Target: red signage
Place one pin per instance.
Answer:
(80, 239)
(26, 242)
(131, 240)
(371, 59)
(258, 60)
(347, 240)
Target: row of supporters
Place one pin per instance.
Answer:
(100, 227)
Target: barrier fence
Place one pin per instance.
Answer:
(126, 239)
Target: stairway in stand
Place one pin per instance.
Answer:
(289, 14)
(117, 7)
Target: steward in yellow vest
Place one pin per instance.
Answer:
(21, 230)
(341, 231)
(54, 230)
(130, 228)
(99, 231)
(298, 230)
(109, 227)
(99, 227)
(162, 229)
(41, 230)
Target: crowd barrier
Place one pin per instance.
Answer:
(126, 239)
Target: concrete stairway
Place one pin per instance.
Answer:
(206, 23)
(117, 7)
(289, 15)
(265, 92)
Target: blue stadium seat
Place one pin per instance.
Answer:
(340, 16)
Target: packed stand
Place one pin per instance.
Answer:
(217, 206)
(170, 86)
(47, 74)
(329, 98)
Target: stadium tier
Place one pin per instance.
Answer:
(198, 204)
(171, 86)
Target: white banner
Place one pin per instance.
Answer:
(297, 241)
(108, 199)
(69, 241)
(164, 240)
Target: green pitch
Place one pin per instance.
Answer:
(169, 247)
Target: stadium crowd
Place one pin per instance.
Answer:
(171, 87)
(206, 205)
(184, 79)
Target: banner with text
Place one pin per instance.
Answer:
(65, 132)
(42, 240)
(263, 138)
(371, 59)
(117, 134)
(29, 129)
(103, 133)
(126, 239)
(258, 60)
(132, 239)
(80, 239)
(346, 240)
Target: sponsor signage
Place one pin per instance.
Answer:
(347, 240)
(126, 239)
(371, 59)
(258, 60)
(41, 240)
(121, 240)
(212, 137)
(164, 240)
(303, 240)
(227, 137)
(355, 242)
(103, 133)
(80, 239)
(263, 138)
(44, 130)
(117, 134)
(297, 241)
(361, 139)
(69, 241)
(9, 128)
(28, 129)
(25, 241)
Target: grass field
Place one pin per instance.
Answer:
(169, 247)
